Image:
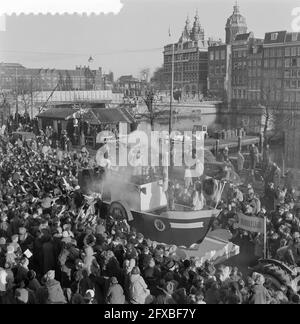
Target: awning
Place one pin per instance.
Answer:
(94, 116)
(108, 116)
(61, 113)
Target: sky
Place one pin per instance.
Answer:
(134, 38)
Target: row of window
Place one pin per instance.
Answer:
(280, 51)
(254, 72)
(218, 69)
(217, 55)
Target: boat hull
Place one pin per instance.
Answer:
(180, 228)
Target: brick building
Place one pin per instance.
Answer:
(219, 57)
(190, 61)
(16, 76)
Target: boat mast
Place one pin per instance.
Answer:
(171, 112)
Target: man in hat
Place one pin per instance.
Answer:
(115, 293)
(54, 290)
(166, 296)
(5, 228)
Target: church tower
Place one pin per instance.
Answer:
(197, 33)
(236, 24)
(185, 36)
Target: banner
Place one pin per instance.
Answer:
(251, 224)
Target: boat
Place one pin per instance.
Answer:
(142, 202)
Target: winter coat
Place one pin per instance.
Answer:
(55, 292)
(48, 257)
(260, 295)
(240, 162)
(138, 289)
(115, 295)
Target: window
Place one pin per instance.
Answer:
(294, 61)
(298, 61)
(298, 83)
(287, 51)
(298, 50)
(294, 51)
(278, 83)
(272, 52)
(286, 97)
(279, 63)
(266, 63)
(294, 37)
(298, 73)
(287, 73)
(274, 36)
(287, 83)
(272, 63)
(267, 52)
(217, 55)
(211, 56)
(278, 95)
(287, 62)
(294, 84)
(223, 55)
(294, 73)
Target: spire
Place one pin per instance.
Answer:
(236, 8)
(186, 31)
(197, 32)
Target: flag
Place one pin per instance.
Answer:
(169, 32)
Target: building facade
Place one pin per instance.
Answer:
(220, 57)
(190, 61)
(130, 86)
(14, 76)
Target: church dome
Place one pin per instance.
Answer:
(236, 19)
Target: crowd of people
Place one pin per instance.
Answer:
(56, 247)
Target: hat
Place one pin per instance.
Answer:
(31, 275)
(135, 270)
(50, 275)
(113, 280)
(89, 294)
(22, 295)
(3, 218)
(22, 230)
(296, 235)
(140, 236)
(170, 264)
(65, 234)
(2, 241)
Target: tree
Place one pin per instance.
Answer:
(273, 109)
(153, 111)
(158, 80)
(4, 104)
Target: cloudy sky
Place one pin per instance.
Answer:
(133, 39)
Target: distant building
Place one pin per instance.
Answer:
(281, 63)
(15, 76)
(190, 61)
(236, 24)
(246, 75)
(130, 86)
(219, 57)
(108, 81)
